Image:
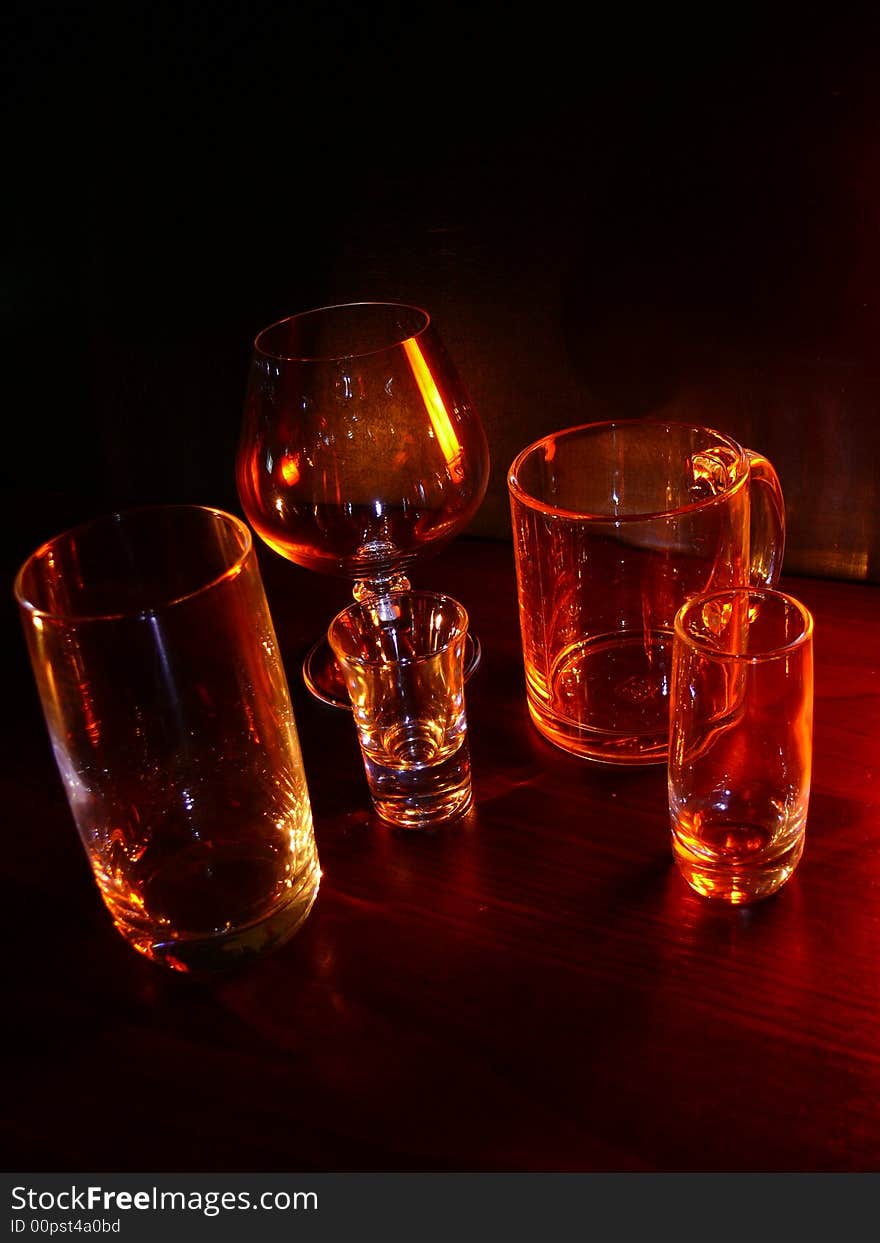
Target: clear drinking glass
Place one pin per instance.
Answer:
(615, 525)
(171, 723)
(402, 657)
(741, 741)
(360, 452)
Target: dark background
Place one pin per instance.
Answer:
(607, 213)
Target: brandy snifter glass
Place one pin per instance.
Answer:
(360, 452)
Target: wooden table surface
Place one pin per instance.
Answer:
(533, 989)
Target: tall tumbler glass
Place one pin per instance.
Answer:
(615, 525)
(741, 741)
(169, 715)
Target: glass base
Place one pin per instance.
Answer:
(324, 679)
(422, 795)
(738, 880)
(228, 950)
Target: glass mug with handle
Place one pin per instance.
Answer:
(615, 526)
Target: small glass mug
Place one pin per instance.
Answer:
(402, 657)
(615, 525)
(171, 723)
(741, 741)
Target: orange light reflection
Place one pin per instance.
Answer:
(440, 420)
(289, 467)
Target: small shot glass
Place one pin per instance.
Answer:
(741, 741)
(402, 657)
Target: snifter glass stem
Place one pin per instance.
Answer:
(370, 588)
(321, 671)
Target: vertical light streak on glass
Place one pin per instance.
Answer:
(440, 420)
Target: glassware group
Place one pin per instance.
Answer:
(647, 556)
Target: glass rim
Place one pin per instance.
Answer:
(758, 593)
(418, 593)
(118, 516)
(519, 493)
(388, 304)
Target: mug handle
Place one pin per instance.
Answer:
(767, 508)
